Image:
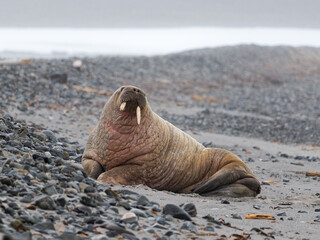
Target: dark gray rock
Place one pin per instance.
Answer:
(176, 212)
(45, 202)
(118, 228)
(143, 201)
(59, 77)
(189, 226)
(68, 236)
(191, 209)
(88, 201)
(50, 135)
(50, 190)
(44, 226)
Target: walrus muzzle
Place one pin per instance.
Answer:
(132, 100)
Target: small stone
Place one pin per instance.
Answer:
(191, 209)
(77, 64)
(208, 228)
(7, 181)
(84, 210)
(224, 201)
(176, 212)
(61, 201)
(71, 191)
(157, 225)
(302, 211)
(44, 226)
(50, 135)
(138, 212)
(130, 237)
(129, 217)
(143, 201)
(16, 165)
(88, 201)
(124, 204)
(99, 237)
(211, 219)
(59, 77)
(317, 210)
(118, 228)
(150, 230)
(45, 202)
(43, 176)
(14, 205)
(50, 190)
(161, 220)
(74, 185)
(256, 206)
(189, 226)
(156, 209)
(26, 199)
(68, 236)
(282, 214)
(112, 234)
(17, 225)
(236, 216)
(89, 189)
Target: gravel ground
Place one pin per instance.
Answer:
(245, 92)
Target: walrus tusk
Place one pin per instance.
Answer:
(122, 106)
(138, 111)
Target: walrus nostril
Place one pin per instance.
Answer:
(136, 90)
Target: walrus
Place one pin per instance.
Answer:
(133, 145)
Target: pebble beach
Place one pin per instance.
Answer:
(262, 103)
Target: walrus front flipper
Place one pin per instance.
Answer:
(122, 175)
(92, 168)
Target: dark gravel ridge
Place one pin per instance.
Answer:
(239, 88)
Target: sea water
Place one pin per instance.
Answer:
(137, 41)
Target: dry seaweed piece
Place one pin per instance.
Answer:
(260, 216)
(312, 173)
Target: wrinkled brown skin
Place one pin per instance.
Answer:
(159, 155)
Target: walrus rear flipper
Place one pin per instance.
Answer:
(232, 190)
(230, 181)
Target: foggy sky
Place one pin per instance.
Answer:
(160, 13)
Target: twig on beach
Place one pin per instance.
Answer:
(311, 173)
(260, 216)
(92, 90)
(23, 61)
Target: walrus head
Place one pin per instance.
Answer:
(128, 104)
